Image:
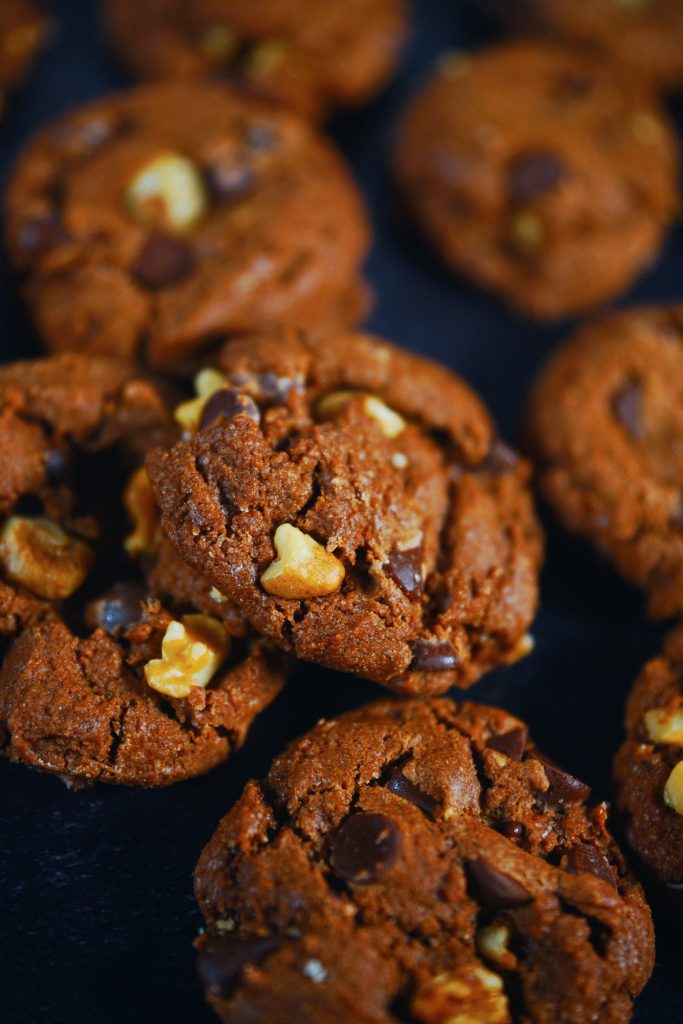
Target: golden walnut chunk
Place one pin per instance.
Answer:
(390, 423)
(664, 726)
(493, 942)
(38, 554)
(472, 995)
(192, 651)
(138, 499)
(673, 790)
(303, 567)
(206, 383)
(168, 194)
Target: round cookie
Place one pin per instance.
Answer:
(606, 423)
(554, 194)
(305, 54)
(119, 664)
(149, 224)
(23, 31)
(419, 861)
(643, 35)
(355, 503)
(648, 769)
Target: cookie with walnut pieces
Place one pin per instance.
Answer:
(149, 224)
(605, 422)
(554, 194)
(305, 54)
(355, 502)
(416, 860)
(120, 663)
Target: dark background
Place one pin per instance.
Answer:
(96, 908)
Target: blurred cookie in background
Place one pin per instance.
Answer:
(24, 28)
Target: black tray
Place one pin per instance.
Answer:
(96, 908)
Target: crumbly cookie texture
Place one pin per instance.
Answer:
(554, 194)
(419, 860)
(605, 422)
(121, 663)
(149, 224)
(355, 503)
(305, 54)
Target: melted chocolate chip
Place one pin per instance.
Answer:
(501, 459)
(588, 859)
(229, 181)
(261, 137)
(58, 466)
(163, 261)
(533, 175)
(364, 847)
(627, 407)
(563, 787)
(496, 889)
(118, 609)
(433, 656)
(513, 829)
(222, 958)
(267, 386)
(513, 743)
(442, 599)
(401, 785)
(39, 235)
(405, 569)
(227, 404)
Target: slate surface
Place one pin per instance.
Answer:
(96, 906)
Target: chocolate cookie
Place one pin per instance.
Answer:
(555, 193)
(120, 664)
(644, 35)
(23, 31)
(419, 861)
(151, 223)
(355, 503)
(606, 423)
(648, 769)
(308, 55)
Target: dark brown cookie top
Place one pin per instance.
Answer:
(606, 423)
(151, 223)
(120, 664)
(648, 769)
(419, 861)
(308, 55)
(643, 35)
(23, 30)
(554, 193)
(353, 500)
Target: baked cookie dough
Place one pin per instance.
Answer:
(23, 31)
(119, 664)
(605, 422)
(148, 224)
(419, 861)
(554, 193)
(355, 503)
(643, 35)
(308, 55)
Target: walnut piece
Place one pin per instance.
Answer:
(192, 651)
(673, 790)
(138, 499)
(493, 941)
(38, 554)
(472, 995)
(303, 567)
(390, 423)
(168, 194)
(664, 726)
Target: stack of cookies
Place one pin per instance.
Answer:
(214, 473)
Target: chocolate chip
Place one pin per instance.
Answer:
(364, 847)
(267, 386)
(227, 403)
(497, 890)
(405, 569)
(261, 137)
(627, 407)
(118, 609)
(433, 656)
(563, 787)
(229, 181)
(442, 599)
(533, 175)
(676, 518)
(588, 859)
(163, 261)
(222, 958)
(513, 829)
(58, 466)
(39, 235)
(574, 87)
(501, 459)
(513, 743)
(401, 785)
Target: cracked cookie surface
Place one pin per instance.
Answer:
(407, 547)
(554, 194)
(307, 55)
(151, 223)
(419, 861)
(606, 423)
(80, 620)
